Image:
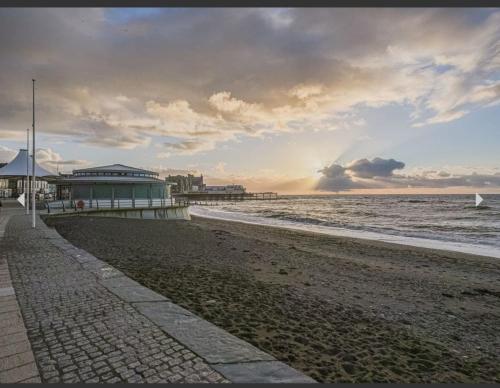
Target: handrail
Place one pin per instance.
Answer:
(120, 203)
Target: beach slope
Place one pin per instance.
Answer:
(337, 308)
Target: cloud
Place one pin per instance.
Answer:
(365, 168)
(444, 174)
(46, 157)
(219, 75)
(188, 147)
(220, 167)
(223, 102)
(52, 160)
(380, 174)
(6, 154)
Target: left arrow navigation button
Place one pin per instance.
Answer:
(21, 199)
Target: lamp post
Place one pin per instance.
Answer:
(33, 195)
(26, 192)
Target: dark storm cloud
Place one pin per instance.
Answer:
(339, 178)
(334, 171)
(365, 168)
(379, 174)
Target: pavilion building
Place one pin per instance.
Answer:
(13, 176)
(113, 186)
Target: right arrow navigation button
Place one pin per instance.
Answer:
(479, 199)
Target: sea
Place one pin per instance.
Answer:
(451, 222)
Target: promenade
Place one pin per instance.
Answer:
(77, 319)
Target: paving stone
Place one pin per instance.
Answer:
(101, 270)
(9, 307)
(262, 372)
(136, 294)
(15, 321)
(153, 379)
(121, 281)
(7, 299)
(18, 347)
(13, 338)
(205, 339)
(48, 375)
(87, 375)
(16, 360)
(31, 380)
(135, 379)
(161, 312)
(18, 374)
(83, 257)
(7, 291)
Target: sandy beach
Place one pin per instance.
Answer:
(339, 309)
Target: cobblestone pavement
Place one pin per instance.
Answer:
(82, 332)
(17, 363)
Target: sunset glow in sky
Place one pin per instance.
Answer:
(289, 100)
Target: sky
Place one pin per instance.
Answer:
(288, 100)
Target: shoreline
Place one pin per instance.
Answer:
(339, 309)
(417, 242)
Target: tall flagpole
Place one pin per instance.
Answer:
(33, 195)
(27, 191)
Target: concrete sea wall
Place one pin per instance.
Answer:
(160, 213)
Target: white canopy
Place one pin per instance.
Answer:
(17, 167)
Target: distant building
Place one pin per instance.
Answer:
(186, 184)
(197, 183)
(114, 185)
(13, 176)
(5, 192)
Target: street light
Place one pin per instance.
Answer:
(27, 190)
(33, 196)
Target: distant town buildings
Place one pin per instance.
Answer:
(183, 184)
(5, 190)
(187, 184)
(227, 189)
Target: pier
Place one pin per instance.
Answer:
(204, 196)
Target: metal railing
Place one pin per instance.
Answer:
(118, 203)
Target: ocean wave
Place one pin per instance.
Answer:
(480, 207)
(447, 218)
(433, 243)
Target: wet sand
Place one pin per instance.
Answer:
(339, 309)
